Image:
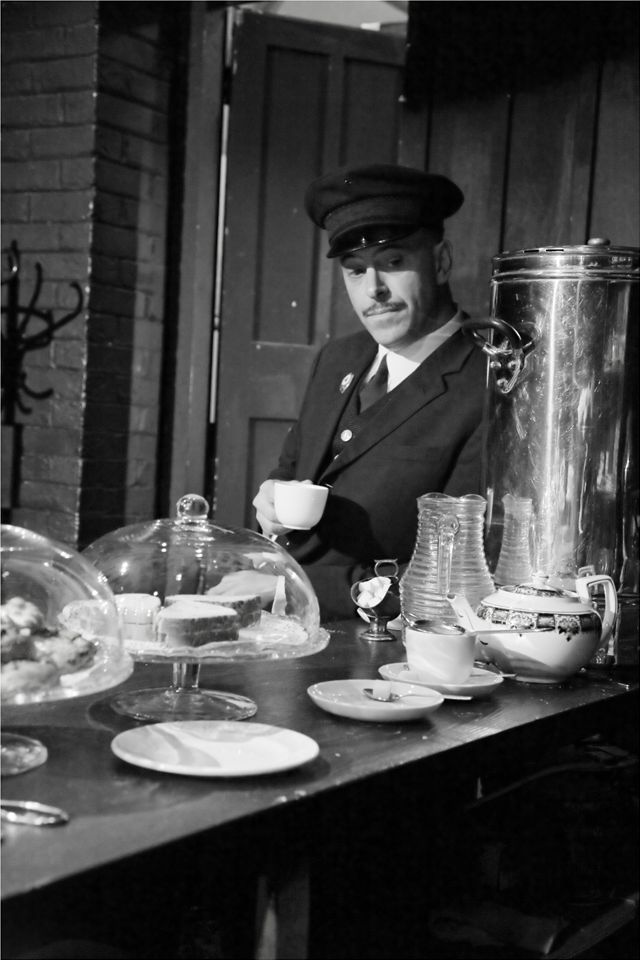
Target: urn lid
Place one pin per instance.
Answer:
(596, 259)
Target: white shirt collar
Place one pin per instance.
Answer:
(402, 363)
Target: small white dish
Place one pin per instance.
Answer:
(481, 683)
(214, 748)
(345, 698)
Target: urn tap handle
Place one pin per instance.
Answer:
(507, 356)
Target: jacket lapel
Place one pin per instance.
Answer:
(333, 388)
(420, 388)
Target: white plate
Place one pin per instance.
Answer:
(345, 698)
(480, 684)
(214, 748)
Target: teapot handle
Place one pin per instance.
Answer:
(583, 585)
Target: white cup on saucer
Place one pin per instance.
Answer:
(299, 505)
(440, 651)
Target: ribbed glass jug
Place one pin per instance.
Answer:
(514, 561)
(448, 557)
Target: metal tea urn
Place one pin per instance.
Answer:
(561, 417)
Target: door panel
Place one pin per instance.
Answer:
(305, 98)
(283, 311)
(370, 111)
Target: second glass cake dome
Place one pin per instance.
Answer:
(190, 591)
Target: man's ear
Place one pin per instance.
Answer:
(443, 260)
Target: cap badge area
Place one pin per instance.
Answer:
(346, 382)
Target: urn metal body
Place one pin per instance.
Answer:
(562, 415)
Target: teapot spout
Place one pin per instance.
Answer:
(465, 614)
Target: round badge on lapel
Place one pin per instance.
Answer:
(346, 382)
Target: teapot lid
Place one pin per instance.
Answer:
(538, 596)
(535, 590)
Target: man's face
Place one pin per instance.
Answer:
(396, 289)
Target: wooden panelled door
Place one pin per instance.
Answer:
(305, 98)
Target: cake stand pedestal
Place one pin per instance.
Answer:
(184, 699)
(273, 638)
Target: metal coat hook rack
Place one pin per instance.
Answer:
(17, 341)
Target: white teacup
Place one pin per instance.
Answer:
(440, 651)
(299, 506)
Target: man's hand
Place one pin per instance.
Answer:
(265, 510)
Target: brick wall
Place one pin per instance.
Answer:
(49, 65)
(129, 254)
(85, 103)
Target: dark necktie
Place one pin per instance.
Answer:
(374, 388)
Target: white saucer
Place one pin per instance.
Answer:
(345, 698)
(214, 748)
(480, 684)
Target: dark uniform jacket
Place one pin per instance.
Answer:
(424, 436)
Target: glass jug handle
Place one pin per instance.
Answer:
(446, 529)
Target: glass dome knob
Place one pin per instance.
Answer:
(192, 507)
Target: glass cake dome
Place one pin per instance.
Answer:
(60, 630)
(190, 592)
(60, 634)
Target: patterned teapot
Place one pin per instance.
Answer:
(545, 634)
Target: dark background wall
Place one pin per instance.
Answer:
(531, 107)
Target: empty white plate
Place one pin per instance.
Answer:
(480, 684)
(345, 698)
(214, 748)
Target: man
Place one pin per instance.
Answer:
(423, 434)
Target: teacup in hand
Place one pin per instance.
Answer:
(440, 651)
(299, 505)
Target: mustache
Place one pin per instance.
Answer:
(378, 308)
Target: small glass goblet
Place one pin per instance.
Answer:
(377, 600)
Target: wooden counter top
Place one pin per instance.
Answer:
(118, 810)
(124, 818)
